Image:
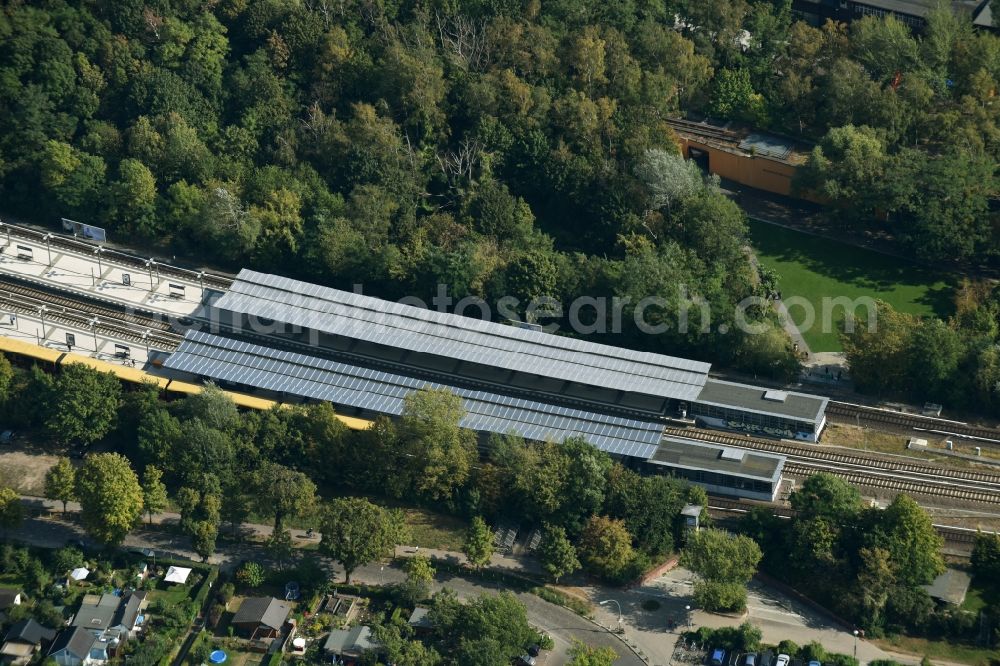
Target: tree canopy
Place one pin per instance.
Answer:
(110, 497)
(60, 482)
(492, 148)
(356, 532)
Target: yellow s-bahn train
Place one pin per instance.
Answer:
(54, 358)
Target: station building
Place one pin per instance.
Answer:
(719, 469)
(759, 411)
(286, 339)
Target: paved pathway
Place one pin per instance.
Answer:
(793, 331)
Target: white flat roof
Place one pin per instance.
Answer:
(177, 574)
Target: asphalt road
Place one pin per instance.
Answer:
(563, 625)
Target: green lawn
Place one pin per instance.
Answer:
(814, 268)
(980, 596)
(963, 654)
(170, 593)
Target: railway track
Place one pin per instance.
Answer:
(873, 472)
(123, 259)
(900, 483)
(851, 413)
(948, 532)
(19, 298)
(815, 453)
(14, 287)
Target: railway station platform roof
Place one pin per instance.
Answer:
(456, 338)
(789, 405)
(101, 273)
(373, 390)
(680, 453)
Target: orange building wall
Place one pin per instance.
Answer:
(751, 170)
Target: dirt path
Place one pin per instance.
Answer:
(25, 471)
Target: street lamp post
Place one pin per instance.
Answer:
(151, 264)
(41, 315)
(93, 329)
(621, 624)
(100, 269)
(855, 645)
(48, 246)
(687, 616)
(6, 227)
(145, 337)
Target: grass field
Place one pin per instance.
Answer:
(816, 268)
(963, 654)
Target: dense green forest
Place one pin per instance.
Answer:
(495, 146)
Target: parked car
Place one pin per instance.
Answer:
(815, 663)
(718, 657)
(783, 660)
(534, 650)
(526, 660)
(750, 660)
(7, 437)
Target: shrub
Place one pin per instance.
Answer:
(214, 615)
(578, 606)
(226, 593)
(745, 637)
(66, 559)
(251, 575)
(46, 613)
(202, 647)
(841, 660)
(720, 597)
(813, 652)
(206, 586)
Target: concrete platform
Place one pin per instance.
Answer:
(100, 277)
(28, 328)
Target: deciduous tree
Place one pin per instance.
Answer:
(283, 492)
(60, 482)
(725, 564)
(906, 532)
(605, 546)
(478, 546)
(824, 495)
(154, 492)
(280, 546)
(557, 554)
(419, 576)
(85, 404)
(11, 510)
(110, 497)
(356, 532)
(442, 452)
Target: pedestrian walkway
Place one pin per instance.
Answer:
(791, 329)
(95, 272)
